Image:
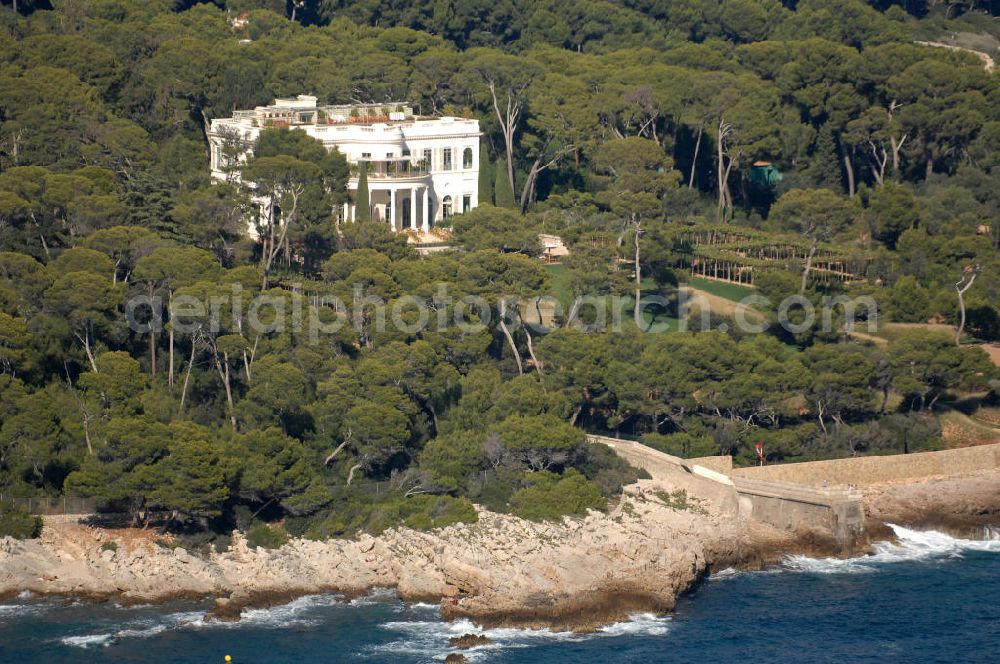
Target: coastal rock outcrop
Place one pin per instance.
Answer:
(578, 572)
(467, 641)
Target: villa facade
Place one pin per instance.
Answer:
(420, 170)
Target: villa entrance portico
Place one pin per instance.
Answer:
(403, 206)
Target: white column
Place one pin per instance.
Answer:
(426, 227)
(394, 208)
(413, 207)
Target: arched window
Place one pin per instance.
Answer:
(467, 158)
(446, 207)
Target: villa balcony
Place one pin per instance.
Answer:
(392, 169)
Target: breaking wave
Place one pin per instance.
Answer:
(19, 610)
(295, 613)
(911, 545)
(430, 638)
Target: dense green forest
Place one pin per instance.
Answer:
(814, 145)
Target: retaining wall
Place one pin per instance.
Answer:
(794, 507)
(674, 473)
(864, 471)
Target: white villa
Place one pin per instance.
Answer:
(421, 170)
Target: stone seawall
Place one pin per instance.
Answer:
(865, 471)
(675, 473)
(720, 464)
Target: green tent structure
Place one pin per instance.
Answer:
(764, 174)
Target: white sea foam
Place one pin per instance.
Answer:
(286, 615)
(645, 624)
(721, 575)
(376, 596)
(18, 610)
(429, 639)
(89, 640)
(911, 545)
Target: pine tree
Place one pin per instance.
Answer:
(362, 205)
(504, 194)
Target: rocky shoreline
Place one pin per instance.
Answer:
(577, 574)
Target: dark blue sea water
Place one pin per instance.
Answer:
(930, 598)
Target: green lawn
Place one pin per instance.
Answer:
(733, 292)
(559, 288)
(558, 283)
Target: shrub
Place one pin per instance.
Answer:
(679, 500)
(421, 512)
(493, 489)
(266, 537)
(608, 471)
(18, 522)
(109, 546)
(427, 512)
(551, 497)
(201, 542)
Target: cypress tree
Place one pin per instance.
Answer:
(504, 194)
(485, 175)
(826, 163)
(362, 204)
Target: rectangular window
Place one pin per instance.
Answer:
(428, 159)
(390, 155)
(466, 202)
(446, 159)
(406, 152)
(366, 155)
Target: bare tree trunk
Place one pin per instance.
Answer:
(961, 287)
(531, 351)
(85, 340)
(224, 375)
(694, 161)
(273, 248)
(808, 265)
(350, 476)
(637, 311)
(529, 185)
(152, 354)
(86, 432)
(510, 338)
(849, 167)
(187, 378)
(508, 123)
(961, 320)
(896, 146)
(720, 169)
(337, 451)
(170, 334)
(573, 311)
